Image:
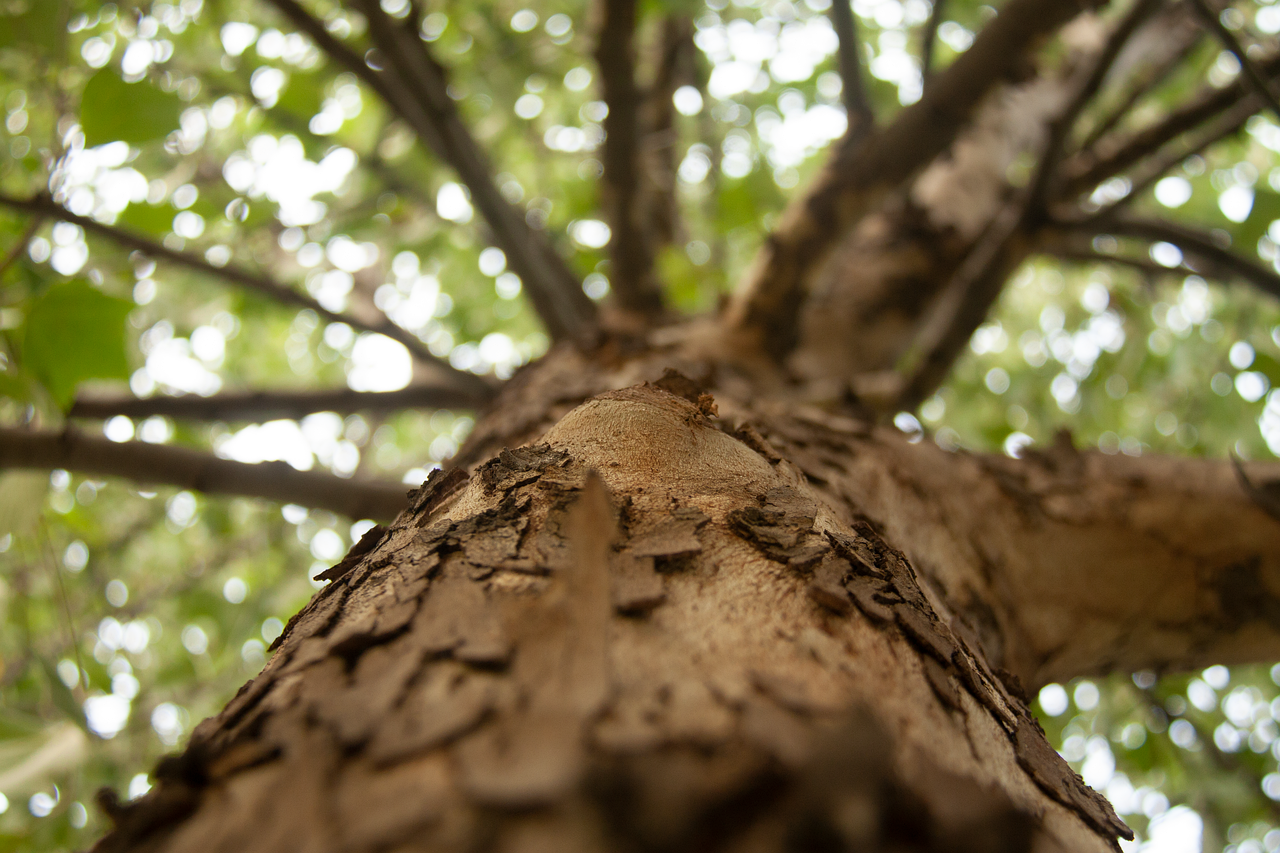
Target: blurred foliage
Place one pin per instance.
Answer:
(213, 128)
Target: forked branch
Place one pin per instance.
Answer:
(414, 86)
(203, 472)
(765, 309)
(854, 91)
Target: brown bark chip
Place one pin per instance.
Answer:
(827, 585)
(635, 587)
(675, 535)
(447, 703)
(456, 617)
(440, 485)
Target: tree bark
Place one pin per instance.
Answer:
(659, 625)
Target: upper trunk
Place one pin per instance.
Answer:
(696, 647)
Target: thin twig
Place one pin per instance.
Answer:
(1087, 168)
(1194, 243)
(929, 39)
(854, 92)
(1254, 77)
(257, 282)
(629, 247)
(1088, 256)
(204, 472)
(1156, 166)
(414, 86)
(1090, 82)
(1153, 78)
(21, 245)
(55, 569)
(261, 406)
(965, 302)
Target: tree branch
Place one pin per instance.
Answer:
(629, 248)
(966, 301)
(261, 406)
(929, 39)
(204, 472)
(1158, 72)
(44, 205)
(1089, 167)
(1253, 77)
(414, 86)
(1156, 166)
(766, 306)
(660, 209)
(20, 245)
(856, 104)
(1090, 82)
(1195, 243)
(1088, 256)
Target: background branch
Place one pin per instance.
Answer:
(1197, 244)
(261, 406)
(630, 251)
(1087, 168)
(257, 282)
(414, 86)
(929, 39)
(966, 301)
(199, 471)
(1250, 73)
(1156, 74)
(854, 92)
(20, 245)
(1090, 82)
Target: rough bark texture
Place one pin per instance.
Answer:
(668, 621)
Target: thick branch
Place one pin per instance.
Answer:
(261, 406)
(856, 103)
(1075, 563)
(204, 472)
(1253, 76)
(45, 206)
(629, 248)
(766, 306)
(1196, 244)
(414, 86)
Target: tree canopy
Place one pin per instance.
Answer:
(321, 234)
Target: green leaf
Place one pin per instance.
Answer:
(75, 332)
(33, 24)
(137, 113)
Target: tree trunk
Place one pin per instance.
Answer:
(652, 626)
